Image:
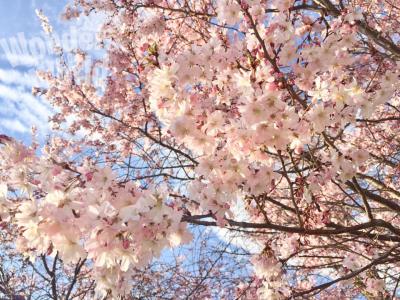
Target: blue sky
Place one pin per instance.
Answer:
(24, 48)
(19, 15)
(19, 110)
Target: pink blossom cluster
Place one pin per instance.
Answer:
(87, 213)
(287, 109)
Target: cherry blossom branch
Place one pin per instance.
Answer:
(386, 202)
(146, 134)
(272, 61)
(186, 11)
(77, 271)
(382, 259)
(364, 29)
(364, 198)
(290, 184)
(323, 232)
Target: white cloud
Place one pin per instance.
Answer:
(13, 77)
(237, 238)
(30, 49)
(22, 97)
(19, 59)
(13, 125)
(23, 115)
(25, 109)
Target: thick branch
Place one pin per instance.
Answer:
(323, 286)
(379, 199)
(319, 231)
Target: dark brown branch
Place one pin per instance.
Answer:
(319, 231)
(379, 199)
(77, 270)
(364, 198)
(323, 286)
(364, 29)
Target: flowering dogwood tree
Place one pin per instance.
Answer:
(278, 119)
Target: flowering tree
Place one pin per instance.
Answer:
(204, 268)
(277, 119)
